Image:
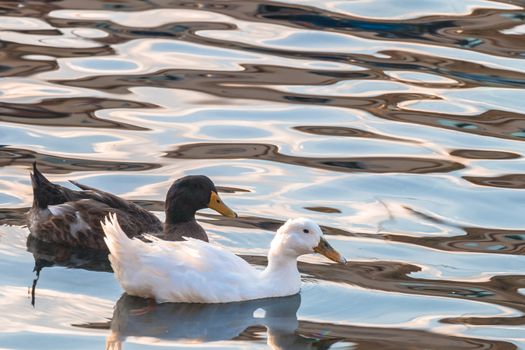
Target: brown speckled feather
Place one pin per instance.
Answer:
(77, 223)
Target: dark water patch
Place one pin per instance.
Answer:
(13, 216)
(483, 154)
(347, 132)
(14, 63)
(315, 19)
(118, 34)
(468, 74)
(453, 31)
(463, 292)
(492, 123)
(326, 210)
(63, 165)
(356, 164)
(481, 79)
(229, 189)
(77, 112)
(503, 181)
(23, 8)
(483, 321)
(476, 239)
(214, 82)
(48, 32)
(370, 338)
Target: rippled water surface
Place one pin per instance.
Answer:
(397, 125)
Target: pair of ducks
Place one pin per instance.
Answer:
(182, 266)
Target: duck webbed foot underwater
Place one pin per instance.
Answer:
(72, 217)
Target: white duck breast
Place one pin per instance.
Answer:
(199, 272)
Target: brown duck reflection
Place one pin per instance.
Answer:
(191, 323)
(47, 254)
(50, 254)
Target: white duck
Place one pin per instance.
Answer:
(194, 271)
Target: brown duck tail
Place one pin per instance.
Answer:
(39, 182)
(44, 192)
(37, 178)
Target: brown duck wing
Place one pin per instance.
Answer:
(78, 223)
(148, 219)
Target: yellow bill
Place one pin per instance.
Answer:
(218, 205)
(327, 250)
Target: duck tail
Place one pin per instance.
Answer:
(42, 188)
(120, 247)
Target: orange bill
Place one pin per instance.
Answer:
(218, 205)
(327, 250)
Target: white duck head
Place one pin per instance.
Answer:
(302, 236)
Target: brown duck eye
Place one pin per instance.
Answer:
(218, 201)
(306, 231)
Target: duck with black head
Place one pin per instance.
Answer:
(72, 217)
(185, 197)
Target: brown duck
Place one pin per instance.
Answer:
(72, 218)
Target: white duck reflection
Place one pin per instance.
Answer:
(195, 323)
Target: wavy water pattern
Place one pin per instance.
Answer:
(397, 125)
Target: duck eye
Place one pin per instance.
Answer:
(218, 201)
(306, 231)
